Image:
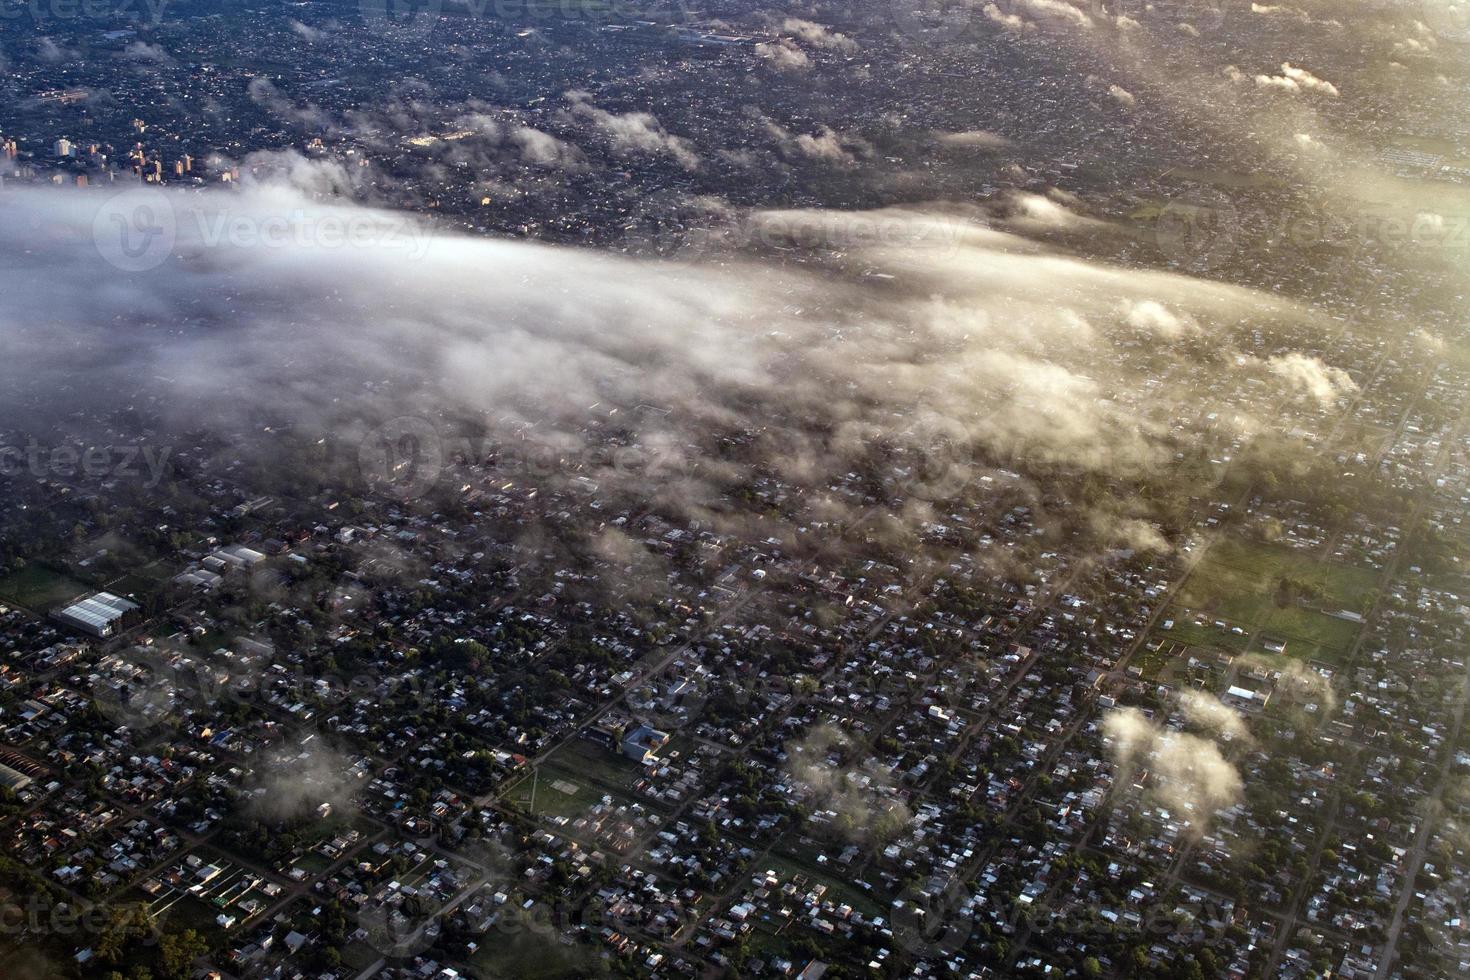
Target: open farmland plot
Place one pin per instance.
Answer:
(1245, 590)
(39, 588)
(1312, 635)
(1236, 577)
(1204, 633)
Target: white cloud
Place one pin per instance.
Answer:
(819, 35)
(783, 55)
(632, 132)
(1186, 773)
(1308, 376)
(1293, 79)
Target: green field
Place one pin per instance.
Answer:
(523, 950)
(145, 580)
(601, 765)
(1239, 583)
(313, 863)
(552, 800)
(1311, 635)
(39, 588)
(1187, 632)
(1236, 577)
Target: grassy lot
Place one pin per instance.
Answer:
(1155, 656)
(766, 944)
(313, 863)
(1362, 438)
(183, 911)
(1187, 632)
(143, 581)
(597, 764)
(1237, 583)
(1311, 635)
(1235, 576)
(359, 956)
(533, 953)
(39, 588)
(551, 798)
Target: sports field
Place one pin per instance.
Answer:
(1258, 590)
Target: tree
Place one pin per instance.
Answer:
(177, 951)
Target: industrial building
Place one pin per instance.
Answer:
(99, 615)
